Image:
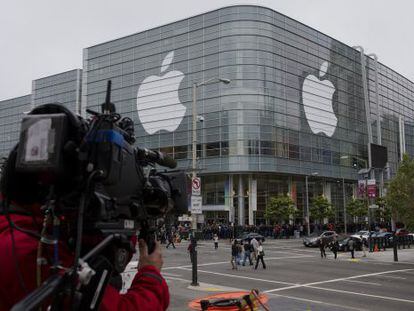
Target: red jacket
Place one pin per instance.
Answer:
(148, 290)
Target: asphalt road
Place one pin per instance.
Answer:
(296, 277)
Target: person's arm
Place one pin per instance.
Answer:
(148, 290)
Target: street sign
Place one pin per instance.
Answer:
(371, 188)
(196, 204)
(196, 186)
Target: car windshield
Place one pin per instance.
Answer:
(313, 235)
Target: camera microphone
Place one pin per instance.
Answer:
(156, 156)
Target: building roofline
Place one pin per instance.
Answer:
(244, 5)
(57, 74)
(17, 97)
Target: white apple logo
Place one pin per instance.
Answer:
(317, 102)
(158, 105)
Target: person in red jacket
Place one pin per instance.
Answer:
(18, 250)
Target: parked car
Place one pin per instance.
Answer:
(343, 243)
(402, 232)
(248, 236)
(313, 240)
(363, 233)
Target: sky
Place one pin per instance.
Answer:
(45, 37)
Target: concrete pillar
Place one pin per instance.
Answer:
(241, 201)
(327, 195)
(252, 199)
(229, 195)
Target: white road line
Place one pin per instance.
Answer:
(170, 274)
(362, 294)
(335, 280)
(241, 277)
(317, 302)
(392, 277)
(228, 262)
(362, 282)
(175, 279)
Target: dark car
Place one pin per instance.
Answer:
(402, 232)
(343, 243)
(248, 236)
(313, 240)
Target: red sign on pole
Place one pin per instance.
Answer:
(371, 188)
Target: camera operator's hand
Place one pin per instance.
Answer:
(153, 259)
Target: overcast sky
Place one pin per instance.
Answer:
(45, 37)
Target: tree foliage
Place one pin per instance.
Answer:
(400, 193)
(321, 208)
(280, 208)
(357, 208)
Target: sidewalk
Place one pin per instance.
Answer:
(404, 256)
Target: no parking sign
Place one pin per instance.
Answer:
(196, 186)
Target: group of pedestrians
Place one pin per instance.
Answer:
(334, 247)
(249, 250)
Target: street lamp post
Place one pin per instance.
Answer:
(194, 167)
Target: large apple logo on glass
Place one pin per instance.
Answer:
(317, 102)
(158, 105)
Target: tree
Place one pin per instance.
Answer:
(321, 208)
(280, 208)
(357, 208)
(383, 213)
(400, 193)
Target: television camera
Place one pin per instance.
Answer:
(89, 172)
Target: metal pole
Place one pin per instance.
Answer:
(194, 262)
(194, 113)
(307, 204)
(344, 199)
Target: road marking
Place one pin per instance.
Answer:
(392, 277)
(228, 262)
(362, 282)
(362, 294)
(170, 274)
(335, 280)
(317, 302)
(176, 279)
(241, 277)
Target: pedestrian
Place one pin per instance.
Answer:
(351, 247)
(322, 246)
(364, 253)
(171, 240)
(260, 255)
(215, 238)
(239, 252)
(234, 252)
(335, 247)
(255, 244)
(247, 253)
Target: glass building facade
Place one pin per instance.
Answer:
(295, 106)
(64, 88)
(11, 113)
(300, 106)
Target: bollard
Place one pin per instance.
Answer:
(403, 241)
(394, 241)
(398, 241)
(194, 257)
